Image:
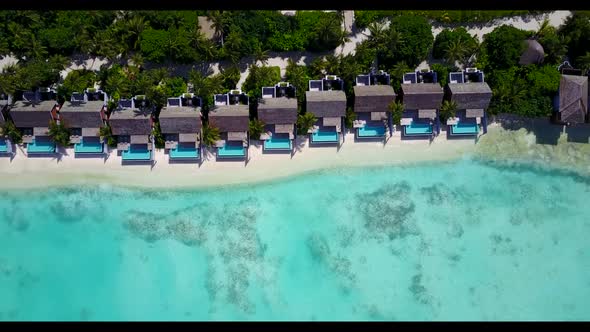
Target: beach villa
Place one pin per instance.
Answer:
(472, 95)
(278, 110)
(422, 97)
(180, 124)
(231, 115)
(131, 124)
(573, 98)
(32, 116)
(327, 101)
(84, 114)
(5, 144)
(372, 96)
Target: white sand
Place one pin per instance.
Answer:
(23, 172)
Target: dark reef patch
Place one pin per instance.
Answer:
(388, 211)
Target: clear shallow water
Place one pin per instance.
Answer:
(445, 241)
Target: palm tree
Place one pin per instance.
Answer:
(544, 28)
(448, 109)
(305, 122)
(261, 55)
(36, 49)
(133, 29)
(8, 84)
(210, 135)
(396, 109)
(59, 133)
(217, 23)
(393, 38)
(106, 133)
(255, 127)
(376, 33)
(583, 62)
(10, 130)
(137, 60)
(456, 51)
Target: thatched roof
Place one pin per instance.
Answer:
(180, 121)
(326, 103)
(573, 98)
(25, 114)
(470, 95)
(278, 110)
(130, 122)
(82, 115)
(230, 117)
(422, 95)
(373, 98)
(533, 54)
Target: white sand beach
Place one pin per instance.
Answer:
(23, 172)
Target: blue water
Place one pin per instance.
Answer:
(41, 146)
(184, 151)
(3, 145)
(277, 143)
(444, 241)
(367, 131)
(325, 137)
(418, 128)
(88, 146)
(233, 150)
(463, 128)
(137, 152)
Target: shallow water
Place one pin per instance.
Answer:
(461, 240)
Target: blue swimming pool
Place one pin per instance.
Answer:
(418, 128)
(3, 146)
(465, 129)
(137, 153)
(277, 143)
(88, 146)
(231, 151)
(41, 146)
(184, 152)
(367, 131)
(325, 137)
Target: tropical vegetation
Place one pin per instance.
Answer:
(59, 133)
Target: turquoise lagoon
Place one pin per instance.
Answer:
(462, 240)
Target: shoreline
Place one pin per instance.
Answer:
(43, 172)
(508, 146)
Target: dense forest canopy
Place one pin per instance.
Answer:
(45, 43)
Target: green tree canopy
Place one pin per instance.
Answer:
(454, 44)
(76, 81)
(503, 47)
(410, 39)
(260, 76)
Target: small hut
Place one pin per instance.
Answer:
(32, 116)
(180, 124)
(573, 98)
(84, 114)
(278, 112)
(371, 105)
(231, 115)
(132, 127)
(533, 54)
